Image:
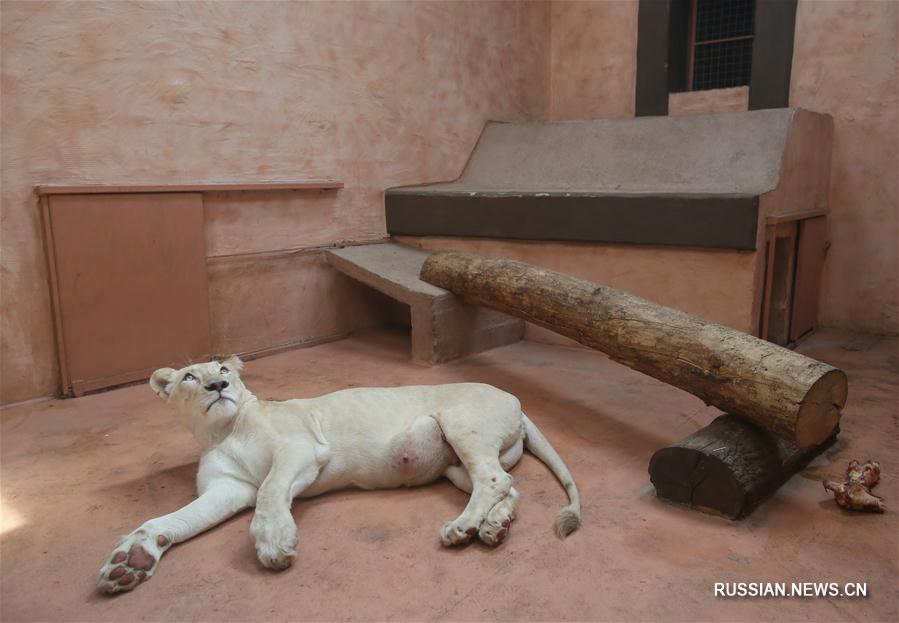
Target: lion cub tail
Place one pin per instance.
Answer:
(569, 518)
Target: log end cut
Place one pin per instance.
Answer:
(728, 467)
(819, 412)
(698, 480)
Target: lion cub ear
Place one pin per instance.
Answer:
(234, 363)
(161, 382)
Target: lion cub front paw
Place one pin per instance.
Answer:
(133, 561)
(276, 541)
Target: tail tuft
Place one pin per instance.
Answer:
(567, 521)
(569, 518)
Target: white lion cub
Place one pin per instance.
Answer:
(264, 453)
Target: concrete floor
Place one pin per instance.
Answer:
(78, 473)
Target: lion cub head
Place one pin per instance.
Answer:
(203, 391)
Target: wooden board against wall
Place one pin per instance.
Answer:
(128, 279)
(809, 264)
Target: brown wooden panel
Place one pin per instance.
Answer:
(765, 315)
(779, 277)
(130, 285)
(776, 219)
(809, 264)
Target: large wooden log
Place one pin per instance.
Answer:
(791, 395)
(728, 467)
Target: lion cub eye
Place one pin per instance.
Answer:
(189, 377)
(224, 370)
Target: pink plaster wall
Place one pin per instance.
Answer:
(284, 299)
(735, 99)
(593, 64)
(845, 64)
(377, 94)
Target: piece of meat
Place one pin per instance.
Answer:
(855, 492)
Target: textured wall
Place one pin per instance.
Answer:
(593, 59)
(845, 64)
(285, 299)
(376, 94)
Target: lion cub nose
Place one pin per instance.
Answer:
(217, 386)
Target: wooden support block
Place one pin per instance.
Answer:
(728, 467)
(793, 396)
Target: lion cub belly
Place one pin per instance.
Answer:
(420, 453)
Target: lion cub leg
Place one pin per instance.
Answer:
(273, 528)
(498, 520)
(478, 451)
(496, 525)
(490, 485)
(136, 557)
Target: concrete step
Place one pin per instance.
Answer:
(443, 327)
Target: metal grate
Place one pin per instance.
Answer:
(722, 65)
(721, 43)
(723, 19)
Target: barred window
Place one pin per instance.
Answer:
(720, 46)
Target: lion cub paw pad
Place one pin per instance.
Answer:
(133, 561)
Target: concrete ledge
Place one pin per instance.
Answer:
(389, 268)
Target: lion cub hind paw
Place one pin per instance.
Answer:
(491, 534)
(453, 534)
(132, 562)
(499, 520)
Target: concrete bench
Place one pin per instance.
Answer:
(443, 327)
